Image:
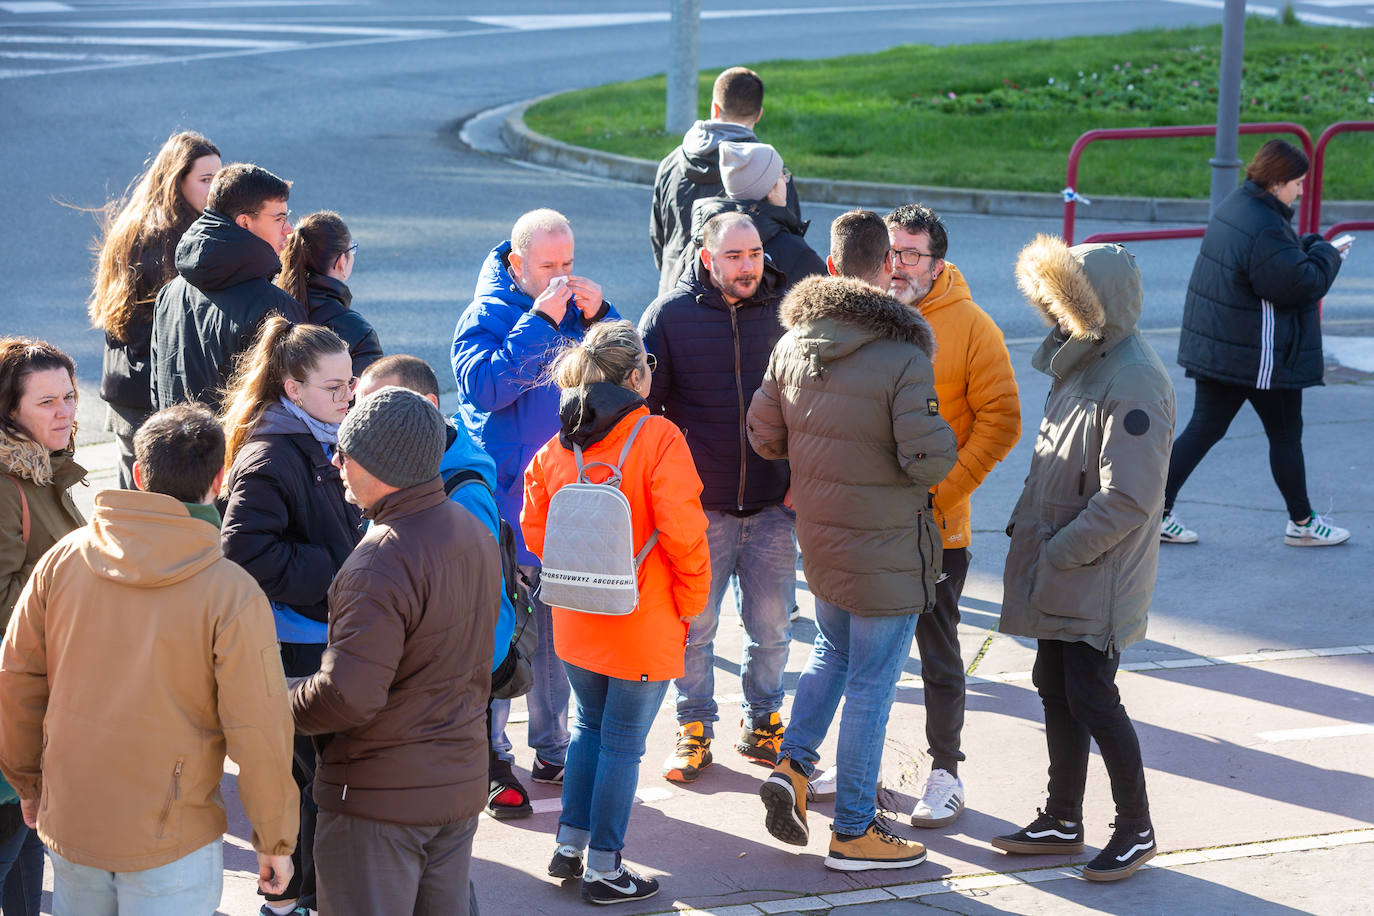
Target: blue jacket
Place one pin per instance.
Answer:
(463, 455)
(500, 352)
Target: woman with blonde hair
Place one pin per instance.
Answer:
(315, 267)
(619, 666)
(135, 259)
(37, 472)
(286, 521)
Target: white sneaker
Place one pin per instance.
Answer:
(1171, 531)
(941, 801)
(1318, 532)
(822, 784)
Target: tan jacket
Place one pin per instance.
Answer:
(136, 658)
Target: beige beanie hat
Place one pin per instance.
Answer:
(749, 170)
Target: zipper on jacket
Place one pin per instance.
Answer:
(739, 392)
(173, 795)
(1083, 468)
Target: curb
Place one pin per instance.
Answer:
(524, 143)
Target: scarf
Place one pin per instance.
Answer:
(326, 434)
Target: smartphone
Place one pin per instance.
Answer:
(1342, 241)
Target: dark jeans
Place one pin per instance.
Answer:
(942, 668)
(1077, 686)
(302, 660)
(367, 867)
(21, 864)
(1215, 405)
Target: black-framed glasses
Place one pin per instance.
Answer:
(651, 361)
(352, 249)
(340, 392)
(908, 257)
(340, 457)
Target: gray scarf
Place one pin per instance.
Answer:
(327, 434)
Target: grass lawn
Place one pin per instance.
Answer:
(1005, 115)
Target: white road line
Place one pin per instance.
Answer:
(1258, 10)
(218, 25)
(36, 7)
(644, 797)
(1327, 731)
(58, 55)
(152, 41)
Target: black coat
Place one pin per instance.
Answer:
(286, 521)
(331, 305)
(781, 230)
(1252, 314)
(212, 311)
(711, 359)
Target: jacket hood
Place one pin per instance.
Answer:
(26, 458)
(465, 454)
(589, 413)
(949, 288)
(831, 317)
(147, 540)
(276, 420)
(216, 253)
(701, 143)
(329, 298)
(1093, 291)
(770, 219)
(495, 280)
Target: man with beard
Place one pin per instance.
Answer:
(712, 336)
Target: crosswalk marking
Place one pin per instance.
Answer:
(285, 28)
(153, 41)
(1325, 731)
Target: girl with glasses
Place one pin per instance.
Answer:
(315, 267)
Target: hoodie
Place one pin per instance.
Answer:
(331, 305)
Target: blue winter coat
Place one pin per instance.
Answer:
(500, 352)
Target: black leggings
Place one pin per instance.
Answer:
(1214, 407)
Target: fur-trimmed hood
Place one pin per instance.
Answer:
(831, 317)
(26, 458)
(1093, 290)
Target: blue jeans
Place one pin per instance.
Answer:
(613, 719)
(859, 659)
(547, 700)
(21, 866)
(758, 554)
(190, 886)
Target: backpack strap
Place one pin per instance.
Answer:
(625, 454)
(23, 508)
(460, 479)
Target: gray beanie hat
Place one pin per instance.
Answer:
(396, 435)
(749, 170)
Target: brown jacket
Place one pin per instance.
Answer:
(400, 701)
(136, 658)
(45, 479)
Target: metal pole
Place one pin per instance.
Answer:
(1225, 164)
(681, 109)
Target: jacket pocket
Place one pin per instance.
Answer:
(1079, 592)
(173, 796)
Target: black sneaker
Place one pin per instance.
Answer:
(616, 886)
(566, 862)
(550, 774)
(1129, 849)
(506, 797)
(1046, 835)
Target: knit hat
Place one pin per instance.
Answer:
(396, 435)
(749, 170)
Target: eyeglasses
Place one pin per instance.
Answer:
(340, 458)
(909, 257)
(651, 361)
(786, 174)
(352, 249)
(340, 392)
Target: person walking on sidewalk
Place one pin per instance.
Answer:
(1252, 332)
(399, 702)
(849, 399)
(712, 336)
(1080, 571)
(619, 666)
(137, 258)
(118, 755)
(527, 305)
(976, 386)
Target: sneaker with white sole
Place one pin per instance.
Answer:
(1172, 531)
(823, 784)
(877, 847)
(784, 798)
(1045, 836)
(566, 862)
(616, 886)
(1317, 532)
(941, 802)
(1128, 850)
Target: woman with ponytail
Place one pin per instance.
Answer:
(135, 259)
(286, 520)
(619, 667)
(315, 267)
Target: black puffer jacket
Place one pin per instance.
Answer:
(711, 360)
(1251, 317)
(782, 231)
(211, 312)
(331, 305)
(287, 522)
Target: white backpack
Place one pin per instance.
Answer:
(589, 561)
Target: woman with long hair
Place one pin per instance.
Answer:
(619, 666)
(37, 471)
(286, 521)
(1252, 332)
(315, 267)
(135, 259)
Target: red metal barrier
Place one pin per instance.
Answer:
(1313, 201)
(1193, 130)
(1349, 225)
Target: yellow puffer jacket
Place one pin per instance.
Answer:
(976, 386)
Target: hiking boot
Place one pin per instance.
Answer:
(550, 774)
(762, 743)
(1128, 850)
(1316, 532)
(877, 847)
(784, 797)
(1045, 835)
(823, 785)
(566, 862)
(941, 801)
(506, 797)
(692, 755)
(616, 886)
(1171, 531)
